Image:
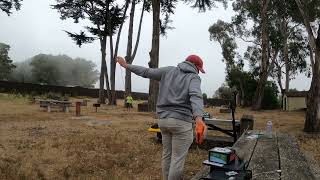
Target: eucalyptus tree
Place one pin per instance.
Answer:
(159, 26)
(105, 18)
(7, 5)
(132, 51)
(310, 16)
(286, 47)
(6, 65)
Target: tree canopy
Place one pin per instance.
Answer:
(105, 17)
(6, 65)
(56, 70)
(7, 5)
(278, 49)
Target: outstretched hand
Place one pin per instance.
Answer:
(122, 62)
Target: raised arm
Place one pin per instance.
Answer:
(152, 73)
(142, 71)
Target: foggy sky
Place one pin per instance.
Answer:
(37, 28)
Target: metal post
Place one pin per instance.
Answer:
(78, 108)
(233, 125)
(233, 107)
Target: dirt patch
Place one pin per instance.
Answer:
(110, 144)
(98, 122)
(91, 121)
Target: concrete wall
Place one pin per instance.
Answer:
(294, 103)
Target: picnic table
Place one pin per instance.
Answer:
(268, 158)
(49, 104)
(223, 125)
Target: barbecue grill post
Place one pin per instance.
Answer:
(78, 108)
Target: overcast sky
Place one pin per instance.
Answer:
(37, 28)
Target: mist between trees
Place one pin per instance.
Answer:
(56, 70)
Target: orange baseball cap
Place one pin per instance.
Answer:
(197, 61)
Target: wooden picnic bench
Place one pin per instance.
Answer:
(273, 158)
(49, 104)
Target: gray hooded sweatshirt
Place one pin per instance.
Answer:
(180, 95)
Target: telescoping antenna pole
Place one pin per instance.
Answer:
(233, 108)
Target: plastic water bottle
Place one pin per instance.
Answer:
(269, 129)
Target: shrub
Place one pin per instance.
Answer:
(270, 98)
(54, 96)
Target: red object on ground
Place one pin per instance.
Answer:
(78, 108)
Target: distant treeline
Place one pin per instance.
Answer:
(35, 89)
(60, 70)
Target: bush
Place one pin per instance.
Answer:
(270, 98)
(224, 92)
(54, 96)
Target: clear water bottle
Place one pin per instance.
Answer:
(269, 129)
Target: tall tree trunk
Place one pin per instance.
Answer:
(113, 57)
(112, 93)
(312, 123)
(242, 94)
(258, 96)
(287, 67)
(129, 48)
(139, 33)
(120, 29)
(107, 83)
(154, 54)
(131, 55)
(284, 32)
(286, 53)
(113, 98)
(102, 98)
(107, 80)
(128, 82)
(311, 58)
(104, 64)
(279, 78)
(107, 24)
(265, 57)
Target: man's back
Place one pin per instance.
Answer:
(180, 95)
(177, 84)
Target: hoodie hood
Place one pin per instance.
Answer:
(188, 67)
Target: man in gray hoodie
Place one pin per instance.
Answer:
(179, 105)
